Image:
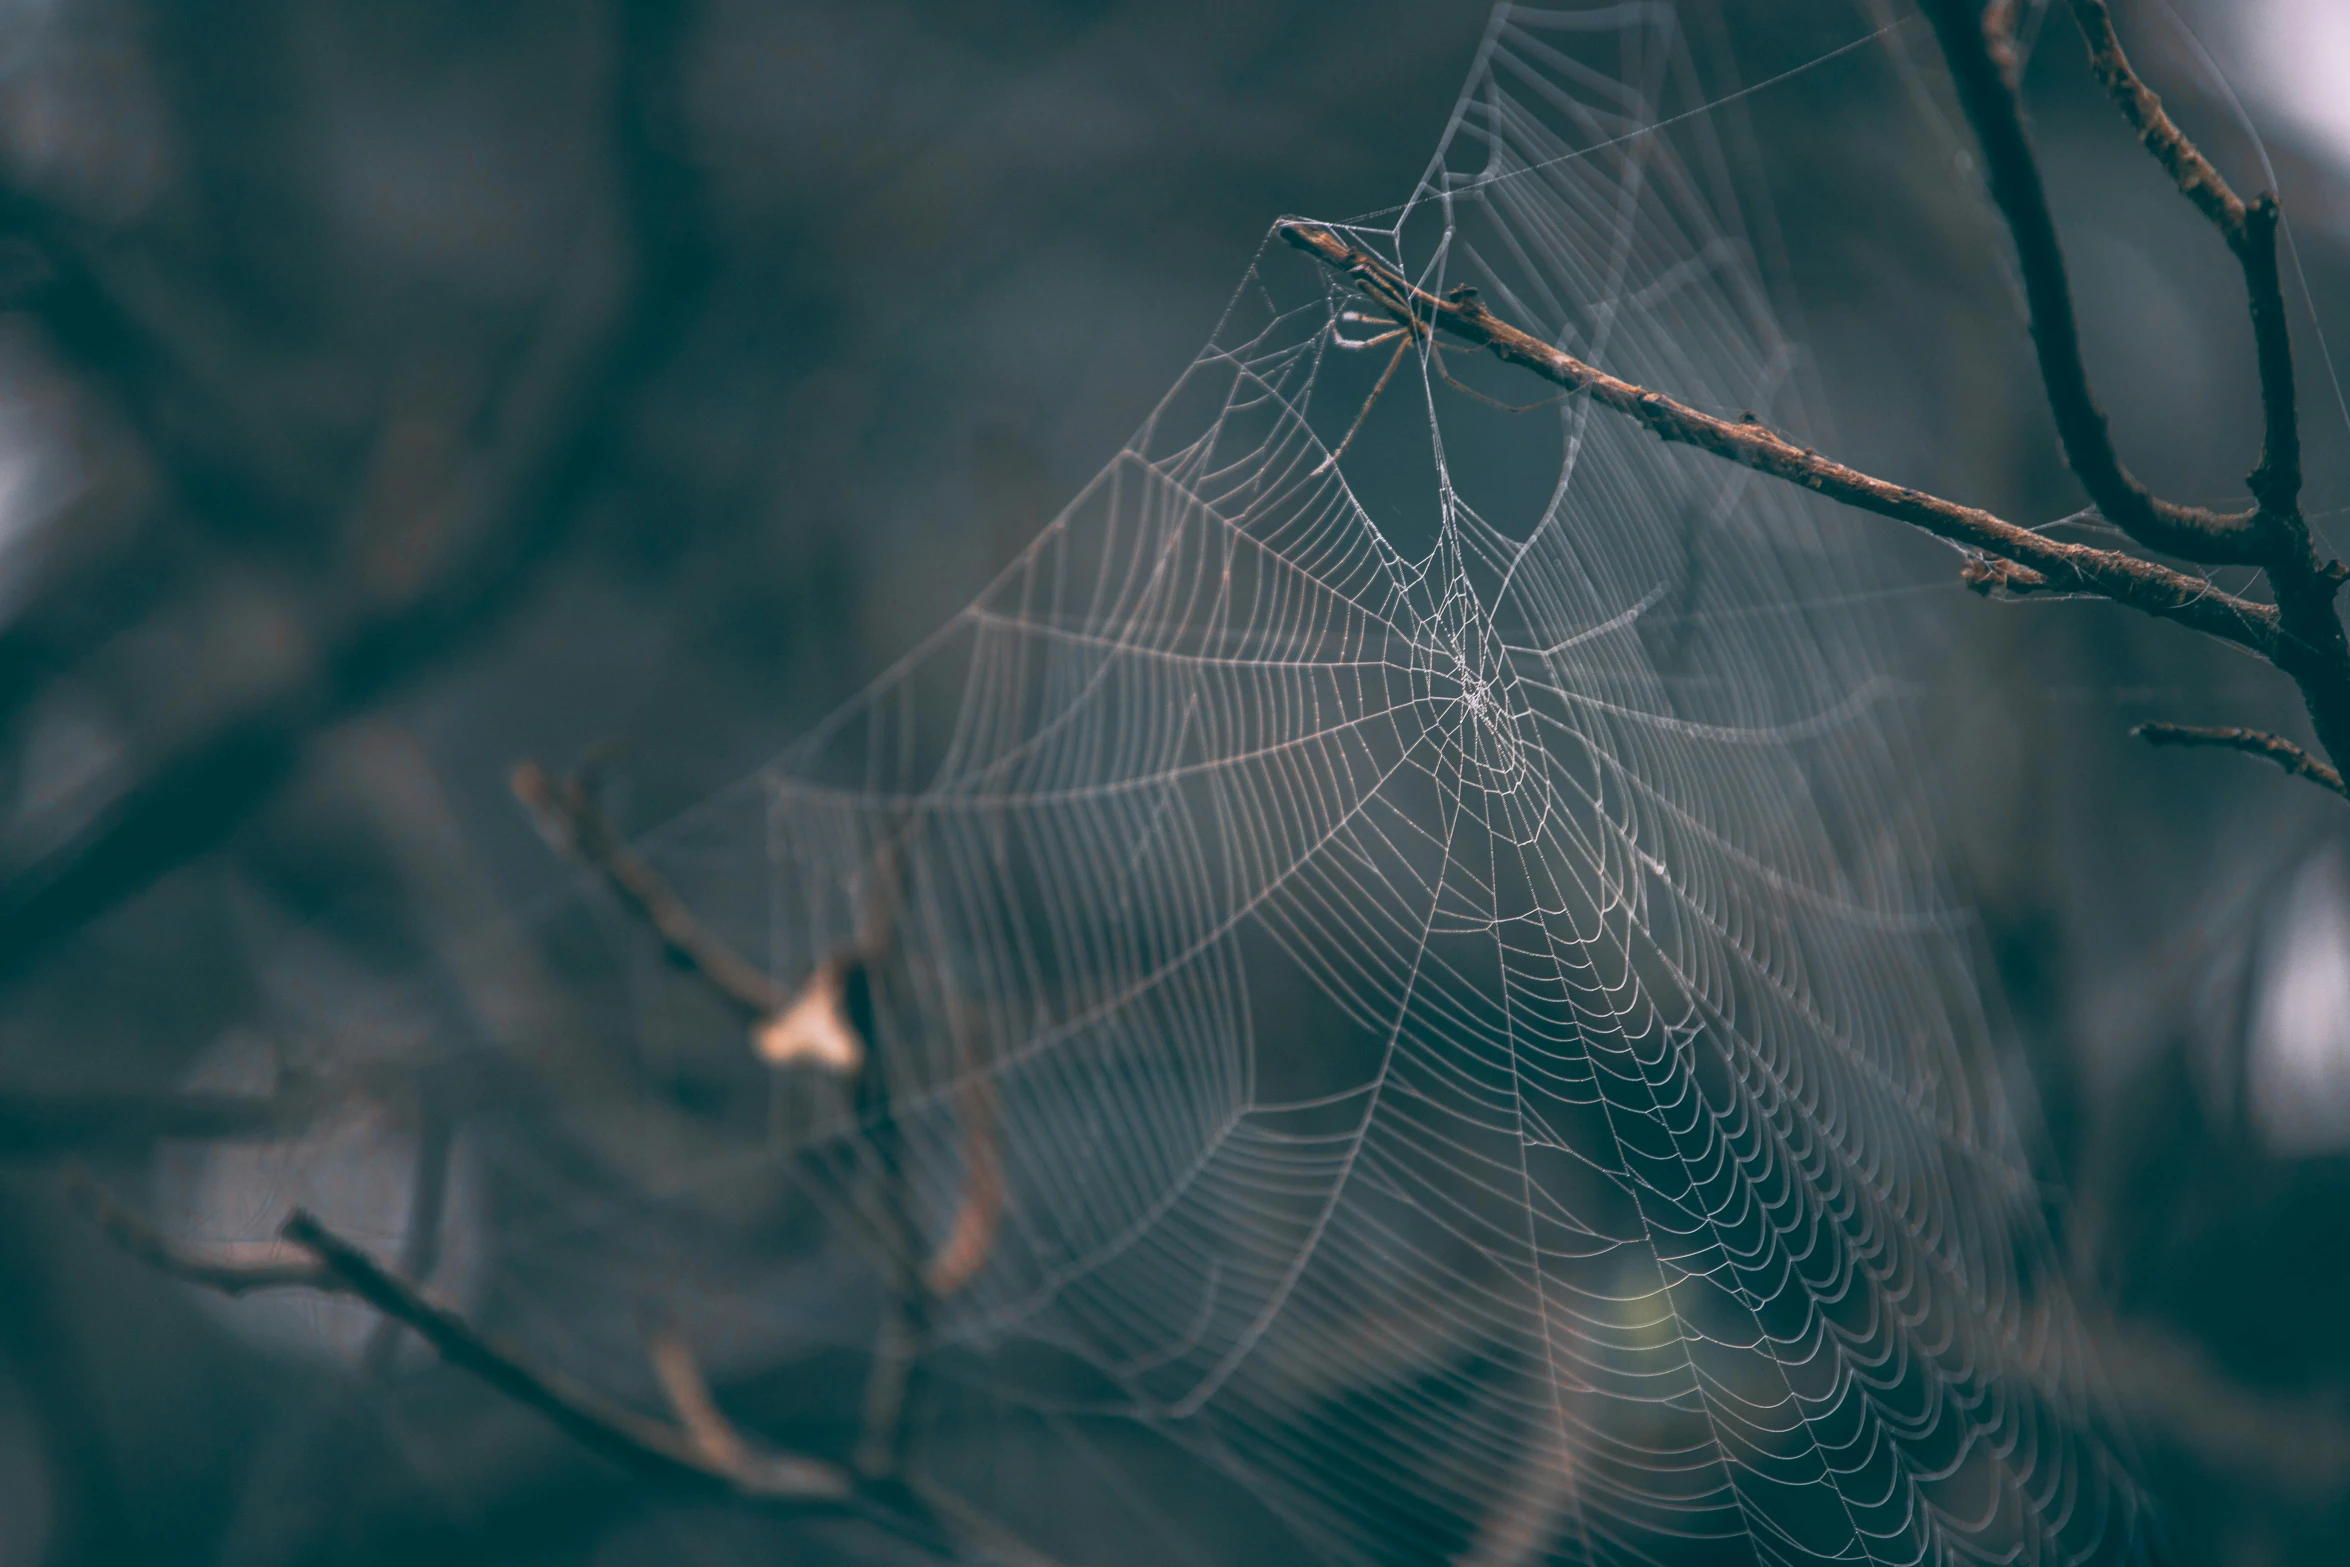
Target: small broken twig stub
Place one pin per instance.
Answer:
(232, 1269)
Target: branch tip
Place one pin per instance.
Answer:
(2253, 742)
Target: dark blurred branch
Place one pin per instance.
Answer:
(44, 1125)
(574, 824)
(618, 1433)
(46, 1337)
(2255, 742)
(610, 324)
(905, 1326)
(232, 1269)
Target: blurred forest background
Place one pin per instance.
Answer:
(392, 393)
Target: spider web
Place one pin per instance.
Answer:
(1482, 1061)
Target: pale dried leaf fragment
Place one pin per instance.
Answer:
(968, 1245)
(814, 1030)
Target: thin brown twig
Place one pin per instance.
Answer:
(2197, 180)
(675, 1453)
(916, 1278)
(2044, 564)
(428, 1205)
(311, 1256)
(690, 1399)
(613, 1430)
(234, 1269)
(979, 1215)
(40, 1125)
(2256, 742)
(578, 828)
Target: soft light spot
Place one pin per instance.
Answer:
(2298, 52)
(354, 1165)
(2300, 1044)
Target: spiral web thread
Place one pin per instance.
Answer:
(1482, 1062)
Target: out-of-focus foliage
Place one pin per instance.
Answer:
(388, 393)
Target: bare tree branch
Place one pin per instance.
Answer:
(2052, 564)
(2255, 742)
(1974, 42)
(2301, 634)
(818, 1024)
(311, 1256)
(828, 1023)
(2311, 647)
(43, 1125)
(881, 1448)
(2197, 180)
(615, 317)
(428, 1205)
(618, 1433)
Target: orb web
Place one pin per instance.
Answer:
(1441, 910)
